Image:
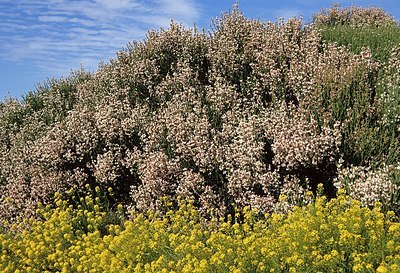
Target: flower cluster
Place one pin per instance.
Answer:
(369, 186)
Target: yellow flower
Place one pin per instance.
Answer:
(382, 269)
(327, 257)
(357, 267)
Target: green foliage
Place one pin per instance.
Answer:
(366, 139)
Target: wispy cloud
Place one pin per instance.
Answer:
(57, 35)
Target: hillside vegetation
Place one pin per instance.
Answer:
(246, 119)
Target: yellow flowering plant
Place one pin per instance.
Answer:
(324, 236)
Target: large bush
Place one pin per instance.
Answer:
(234, 117)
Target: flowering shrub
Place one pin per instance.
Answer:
(324, 236)
(355, 16)
(234, 117)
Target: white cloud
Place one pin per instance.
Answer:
(179, 8)
(57, 35)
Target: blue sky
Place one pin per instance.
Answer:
(41, 39)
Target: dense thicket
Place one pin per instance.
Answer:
(241, 115)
